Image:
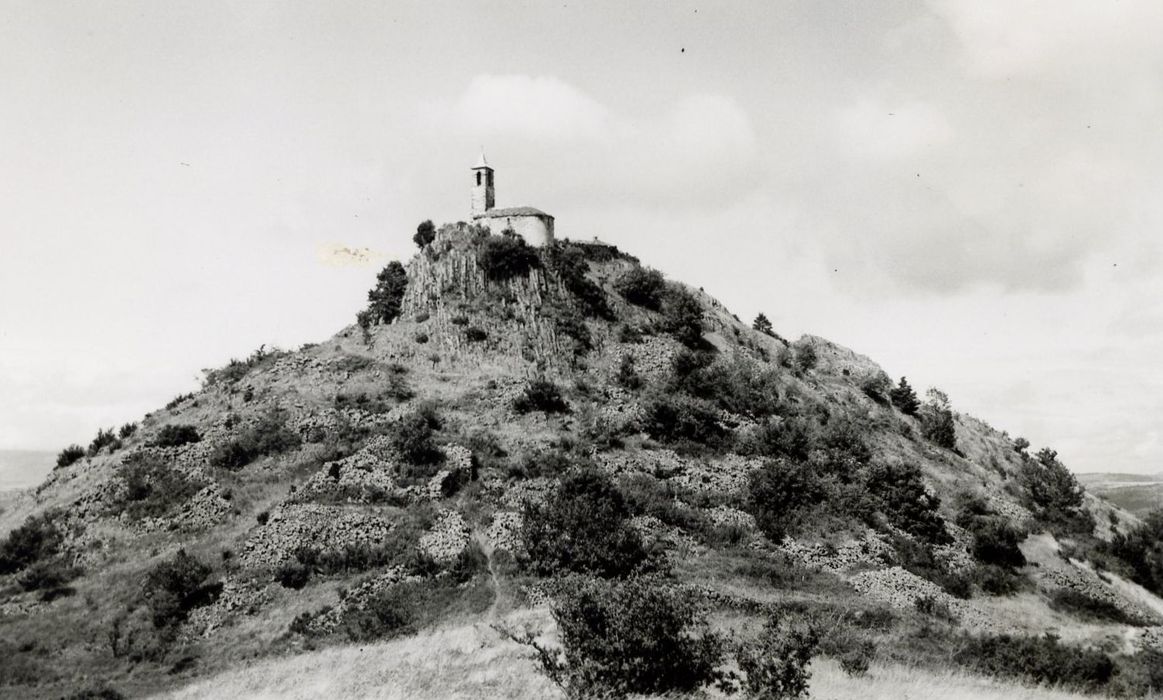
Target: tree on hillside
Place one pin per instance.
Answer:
(385, 299)
(763, 325)
(904, 398)
(937, 420)
(425, 233)
(1053, 494)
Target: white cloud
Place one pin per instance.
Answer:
(537, 107)
(877, 130)
(699, 151)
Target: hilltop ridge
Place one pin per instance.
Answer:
(382, 482)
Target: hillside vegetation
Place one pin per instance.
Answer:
(567, 474)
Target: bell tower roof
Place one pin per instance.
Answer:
(481, 162)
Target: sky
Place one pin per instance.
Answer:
(966, 192)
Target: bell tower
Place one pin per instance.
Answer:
(482, 187)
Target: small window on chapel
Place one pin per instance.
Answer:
(478, 178)
(490, 178)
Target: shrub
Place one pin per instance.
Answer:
(421, 338)
(152, 488)
(97, 692)
(506, 257)
(425, 233)
(792, 437)
(641, 636)
(918, 557)
(763, 325)
(878, 387)
(1053, 494)
(1088, 607)
(36, 539)
(642, 287)
(70, 455)
(996, 542)
(176, 435)
(627, 376)
(904, 398)
(806, 358)
(180, 399)
(906, 502)
(933, 606)
(684, 420)
(236, 370)
(1037, 660)
(412, 439)
(389, 613)
(568, 262)
(105, 438)
(459, 320)
(127, 431)
(475, 334)
(1141, 552)
(49, 576)
(293, 575)
(777, 494)
(268, 436)
(937, 425)
(175, 587)
(384, 300)
(582, 527)
(683, 317)
(541, 395)
(776, 664)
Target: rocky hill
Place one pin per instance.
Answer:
(414, 472)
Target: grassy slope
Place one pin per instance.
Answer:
(473, 661)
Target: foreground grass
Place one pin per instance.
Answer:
(473, 661)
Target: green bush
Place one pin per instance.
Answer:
(642, 287)
(684, 421)
(412, 438)
(49, 576)
(904, 398)
(582, 528)
(906, 502)
(268, 436)
(639, 636)
(996, 542)
(70, 455)
(776, 664)
(390, 613)
(541, 395)
(1140, 551)
(937, 424)
(293, 574)
(176, 586)
(568, 262)
(386, 298)
(806, 358)
(506, 257)
(425, 233)
(1087, 607)
(127, 431)
(176, 435)
(878, 387)
(683, 317)
(1054, 496)
(105, 438)
(475, 335)
(38, 538)
(793, 437)
(152, 488)
(1042, 660)
(778, 492)
(763, 325)
(627, 376)
(182, 398)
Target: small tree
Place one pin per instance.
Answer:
(70, 455)
(507, 256)
(385, 299)
(763, 325)
(425, 233)
(904, 398)
(937, 423)
(641, 636)
(806, 358)
(541, 395)
(582, 528)
(642, 287)
(776, 664)
(683, 317)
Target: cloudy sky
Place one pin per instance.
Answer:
(964, 191)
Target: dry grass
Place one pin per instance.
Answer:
(473, 661)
